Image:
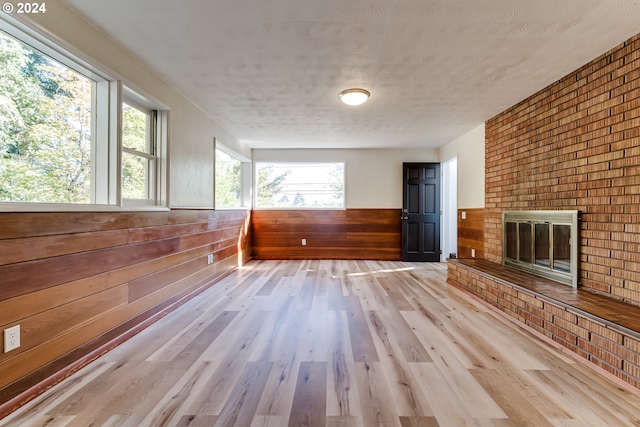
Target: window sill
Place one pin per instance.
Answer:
(60, 207)
(298, 208)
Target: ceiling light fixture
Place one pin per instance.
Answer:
(354, 96)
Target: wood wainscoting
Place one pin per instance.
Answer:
(329, 234)
(471, 233)
(74, 282)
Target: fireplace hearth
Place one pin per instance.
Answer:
(544, 243)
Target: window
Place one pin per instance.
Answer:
(46, 133)
(232, 178)
(228, 180)
(299, 185)
(138, 152)
(59, 146)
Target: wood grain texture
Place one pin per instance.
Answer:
(310, 398)
(601, 329)
(330, 234)
(471, 233)
(76, 281)
(234, 355)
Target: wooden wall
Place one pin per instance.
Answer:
(73, 281)
(471, 233)
(330, 234)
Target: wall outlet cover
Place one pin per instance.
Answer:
(11, 338)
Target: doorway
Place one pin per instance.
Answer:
(449, 209)
(421, 212)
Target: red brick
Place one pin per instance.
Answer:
(601, 330)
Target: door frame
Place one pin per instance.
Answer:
(449, 219)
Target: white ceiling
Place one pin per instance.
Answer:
(270, 71)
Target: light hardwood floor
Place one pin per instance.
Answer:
(335, 343)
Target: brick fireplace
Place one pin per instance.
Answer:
(576, 145)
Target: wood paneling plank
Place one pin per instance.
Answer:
(471, 233)
(150, 283)
(350, 234)
(49, 324)
(47, 272)
(31, 248)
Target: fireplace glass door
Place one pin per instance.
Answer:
(562, 248)
(542, 246)
(543, 243)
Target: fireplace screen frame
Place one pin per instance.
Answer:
(526, 254)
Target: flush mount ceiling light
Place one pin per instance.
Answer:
(354, 96)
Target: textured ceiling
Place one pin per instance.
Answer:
(270, 70)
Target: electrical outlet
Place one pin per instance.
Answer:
(473, 253)
(304, 242)
(11, 338)
(209, 259)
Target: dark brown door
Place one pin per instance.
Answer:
(421, 212)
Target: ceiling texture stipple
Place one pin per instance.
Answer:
(270, 71)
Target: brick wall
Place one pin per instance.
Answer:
(576, 145)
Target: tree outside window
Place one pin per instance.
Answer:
(228, 180)
(300, 185)
(45, 128)
(138, 157)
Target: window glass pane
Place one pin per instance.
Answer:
(45, 128)
(300, 185)
(137, 171)
(228, 181)
(135, 176)
(136, 128)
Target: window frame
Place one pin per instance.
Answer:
(106, 131)
(154, 131)
(302, 162)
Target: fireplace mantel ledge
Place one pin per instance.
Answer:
(601, 308)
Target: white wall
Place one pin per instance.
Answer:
(191, 132)
(469, 148)
(373, 176)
